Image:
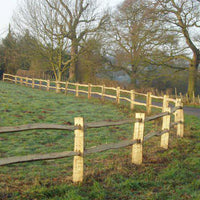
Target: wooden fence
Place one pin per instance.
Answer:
(185, 98)
(80, 126)
(90, 90)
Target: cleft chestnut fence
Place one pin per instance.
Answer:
(131, 96)
(79, 127)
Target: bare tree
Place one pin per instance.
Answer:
(137, 33)
(43, 24)
(182, 18)
(78, 19)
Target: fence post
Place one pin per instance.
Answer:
(26, 83)
(165, 103)
(148, 102)
(40, 84)
(33, 83)
(66, 87)
(21, 82)
(57, 87)
(138, 135)
(179, 118)
(103, 92)
(181, 96)
(165, 126)
(89, 90)
(132, 99)
(3, 77)
(118, 95)
(76, 89)
(48, 85)
(78, 166)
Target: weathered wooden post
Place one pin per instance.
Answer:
(76, 85)
(138, 135)
(165, 103)
(66, 87)
(181, 96)
(21, 81)
(89, 90)
(179, 118)
(40, 84)
(26, 83)
(33, 83)
(78, 166)
(103, 92)
(165, 126)
(3, 77)
(48, 85)
(132, 99)
(118, 95)
(148, 102)
(57, 87)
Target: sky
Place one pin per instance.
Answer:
(8, 6)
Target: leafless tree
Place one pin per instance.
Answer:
(182, 18)
(79, 18)
(137, 33)
(43, 24)
(61, 25)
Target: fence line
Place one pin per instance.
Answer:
(79, 148)
(113, 93)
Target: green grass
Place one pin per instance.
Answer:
(164, 174)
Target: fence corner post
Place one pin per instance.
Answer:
(179, 118)
(139, 136)
(132, 99)
(78, 165)
(165, 126)
(149, 102)
(3, 77)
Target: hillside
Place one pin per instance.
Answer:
(165, 174)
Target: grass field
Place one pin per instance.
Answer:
(171, 174)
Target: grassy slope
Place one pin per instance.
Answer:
(171, 174)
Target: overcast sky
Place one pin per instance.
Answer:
(8, 6)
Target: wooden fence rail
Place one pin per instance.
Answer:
(79, 148)
(102, 91)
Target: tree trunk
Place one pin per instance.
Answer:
(192, 78)
(59, 76)
(134, 76)
(73, 71)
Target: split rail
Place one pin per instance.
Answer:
(79, 128)
(134, 98)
